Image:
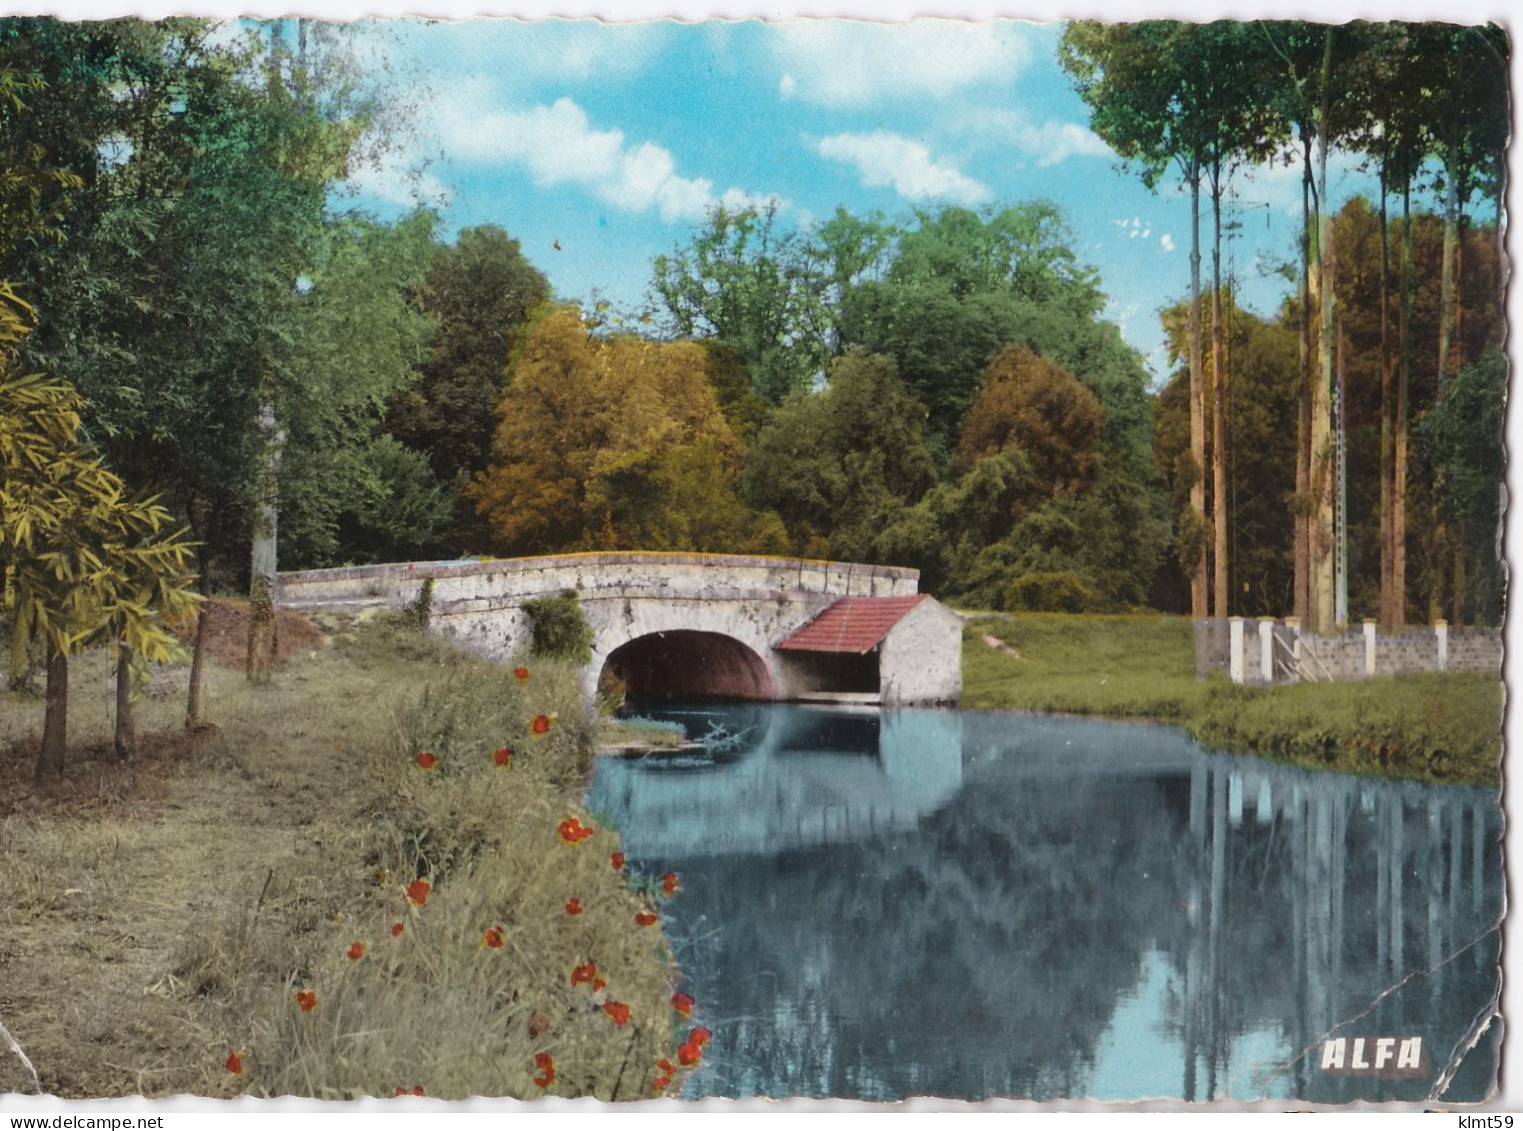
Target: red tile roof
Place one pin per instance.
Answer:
(852, 624)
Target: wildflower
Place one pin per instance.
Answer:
(417, 1089)
(401, 1091)
(617, 860)
(683, 1004)
(618, 1011)
(586, 972)
(426, 761)
(701, 1034)
(666, 1066)
(598, 985)
(502, 758)
(670, 884)
(521, 673)
(668, 1070)
(541, 725)
(645, 918)
(546, 1064)
(307, 1000)
(234, 1063)
(573, 906)
(662, 1082)
(493, 938)
(689, 1052)
(356, 951)
(396, 929)
(572, 830)
(417, 891)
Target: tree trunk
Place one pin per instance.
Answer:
(1219, 402)
(55, 718)
(1387, 435)
(1446, 294)
(124, 738)
(1403, 386)
(1322, 532)
(1303, 589)
(1199, 596)
(197, 665)
(262, 580)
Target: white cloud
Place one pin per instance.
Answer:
(1048, 143)
(854, 63)
(885, 158)
(1166, 242)
(559, 145)
(396, 176)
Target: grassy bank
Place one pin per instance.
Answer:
(158, 918)
(1429, 727)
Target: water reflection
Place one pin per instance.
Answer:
(969, 905)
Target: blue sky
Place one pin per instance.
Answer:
(615, 139)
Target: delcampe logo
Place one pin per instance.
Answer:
(1395, 1057)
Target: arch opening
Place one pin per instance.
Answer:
(687, 664)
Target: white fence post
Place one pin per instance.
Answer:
(1369, 648)
(1441, 630)
(1266, 649)
(1294, 624)
(1235, 636)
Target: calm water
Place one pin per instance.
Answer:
(882, 905)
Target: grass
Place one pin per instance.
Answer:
(1436, 727)
(158, 917)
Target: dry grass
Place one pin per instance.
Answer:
(155, 918)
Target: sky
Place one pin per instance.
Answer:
(600, 146)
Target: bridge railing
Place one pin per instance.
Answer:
(472, 582)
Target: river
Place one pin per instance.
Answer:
(879, 905)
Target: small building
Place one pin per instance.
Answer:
(887, 650)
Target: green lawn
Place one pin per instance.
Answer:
(1428, 727)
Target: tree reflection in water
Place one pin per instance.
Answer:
(974, 905)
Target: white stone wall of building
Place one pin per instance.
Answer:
(920, 659)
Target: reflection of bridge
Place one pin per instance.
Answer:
(809, 777)
(686, 623)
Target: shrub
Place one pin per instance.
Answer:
(1051, 593)
(561, 630)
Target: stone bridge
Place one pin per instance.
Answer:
(686, 624)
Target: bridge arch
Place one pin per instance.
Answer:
(689, 662)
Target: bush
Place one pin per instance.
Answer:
(561, 630)
(1051, 593)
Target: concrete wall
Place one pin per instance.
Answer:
(920, 660)
(1238, 646)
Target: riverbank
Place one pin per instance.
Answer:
(1440, 728)
(162, 924)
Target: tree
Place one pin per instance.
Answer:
(82, 560)
(1033, 405)
(744, 283)
(608, 443)
(839, 466)
(481, 295)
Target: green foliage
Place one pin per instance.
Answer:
(1050, 593)
(422, 608)
(560, 628)
(840, 465)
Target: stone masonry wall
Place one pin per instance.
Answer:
(1237, 646)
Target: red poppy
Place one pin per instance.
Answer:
(540, 725)
(662, 1082)
(689, 1051)
(546, 1064)
(669, 884)
(618, 1011)
(683, 1004)
(666, 1066)
(617, 860)
(426, 761)
(417, 891)
(572, 830)
(645, 918)
(401, 1091)
(502, 758)
(700, 1033)
(586, 972)
(396, 929)
(307, 1000)
(573, 906)
(598, 984)
(356, 951)
(521, 673)
(234, 1063)
(493, 938)
(417, 1089)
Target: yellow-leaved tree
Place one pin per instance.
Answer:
(615, 443)
(83, 560)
